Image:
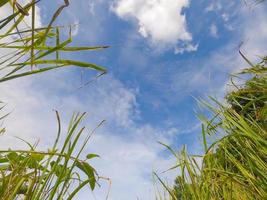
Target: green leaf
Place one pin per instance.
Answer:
(90, 156)
(75, 49)
(34, 161)
(89, 171)
(13, 156)
(64, 62)
(3, 160)
(3, 2)
(38, 157)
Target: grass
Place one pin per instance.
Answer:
(233, 167)
(31, 50)
(60, 172)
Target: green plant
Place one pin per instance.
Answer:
(233, 167)
(58, 173)
(31, 46)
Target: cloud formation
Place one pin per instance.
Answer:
(187, 47)
(126, 156)
(214, 30)
(129, 152)
(160, 20)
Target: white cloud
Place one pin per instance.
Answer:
(130, 165)
(254, 35)
(225, 17)
(214, 30)
(215, 5)
(160, 20)
(209, 75)
(187, 47)
(127, 157)
(92, 8)
(129, 151)
(227, 60)
(87, 14)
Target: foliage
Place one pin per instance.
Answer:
(250, 100)
(235, 166)
(31, 46)
(58, 173)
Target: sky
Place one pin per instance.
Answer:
(164, 54)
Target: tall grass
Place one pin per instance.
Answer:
(32, 50)
(60, 172)
(234, 167)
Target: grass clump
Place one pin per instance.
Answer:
(32, 50)
(58, 173)
(235, 166)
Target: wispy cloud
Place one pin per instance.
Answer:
(214, 6)
(129, 151)
(214, 30)
(186, 47)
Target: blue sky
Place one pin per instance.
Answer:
(163, 54)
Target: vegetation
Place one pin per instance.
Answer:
(58, 173)
(235, 166)
(29, 46)
(33, 174)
